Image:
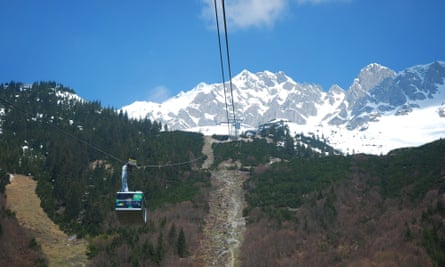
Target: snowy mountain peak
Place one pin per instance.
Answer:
(335, 89)
(245, 75)
(370, 76)
(377, 94)
(374, 68)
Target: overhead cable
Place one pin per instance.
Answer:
(222, 64)
(228, 60)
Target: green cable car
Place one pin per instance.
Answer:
(130, 207)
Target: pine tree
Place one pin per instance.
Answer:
(181, 245)
(148, 250)
(160, 250)
(172, 235)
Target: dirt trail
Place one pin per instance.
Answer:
(207, 150)
(60, 249)
(224, 225)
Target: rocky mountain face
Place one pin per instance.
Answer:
(378, 91)
(264, 96)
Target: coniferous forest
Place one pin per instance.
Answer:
(75, 149)
(306, 204)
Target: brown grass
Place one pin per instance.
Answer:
(56, 245)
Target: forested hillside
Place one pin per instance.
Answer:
(358, 210)
(307, 205)
(75, 150)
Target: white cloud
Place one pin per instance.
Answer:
(247, 13)
(243, 14)
(159, 94)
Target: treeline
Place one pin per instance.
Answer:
(75, 150)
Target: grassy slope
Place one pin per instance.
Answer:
(55, 244)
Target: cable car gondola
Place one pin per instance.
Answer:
(130, 207)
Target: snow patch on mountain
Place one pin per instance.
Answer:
(65, 95)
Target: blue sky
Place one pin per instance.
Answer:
(119, 52)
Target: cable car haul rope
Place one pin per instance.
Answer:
(228, 98)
